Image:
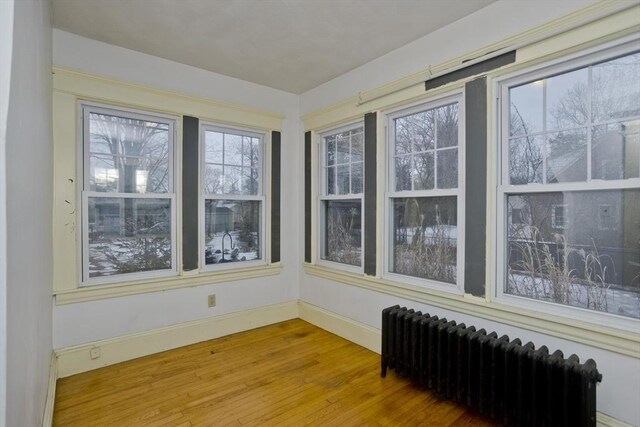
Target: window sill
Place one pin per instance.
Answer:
(186, 280)
(623, 342)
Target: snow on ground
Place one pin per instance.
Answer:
(618, 301)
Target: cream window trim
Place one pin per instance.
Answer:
(130, 95)
(99, 292)
(71, 88)
(611, 339)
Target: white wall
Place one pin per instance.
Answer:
(90, 321)
(619, 391)
(28, 214)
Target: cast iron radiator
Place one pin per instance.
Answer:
(510, 382)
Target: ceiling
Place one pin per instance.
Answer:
(292, 45)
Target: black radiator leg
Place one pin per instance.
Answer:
(384, 364)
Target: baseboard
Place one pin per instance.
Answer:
(47, 419)
(354, 331)
(77, 359)
(604, 420)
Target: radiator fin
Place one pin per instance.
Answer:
(511, 382)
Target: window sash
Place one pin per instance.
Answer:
(85, 110)
(88, 108)
(208, 127)
(259, 197)
(391, 193)
(324, 196)
(322, 228)
(124, 277)
(505, 189)
(324, 164)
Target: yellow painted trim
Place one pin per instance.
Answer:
(91, 293)
(349, 329)
(47, 419)
(592, 23)
(74, 360)
(118, 92)
(604, 420)
(623, 342)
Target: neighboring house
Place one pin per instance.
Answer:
(592, 221)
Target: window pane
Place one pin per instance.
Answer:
(415, 132)
(424, 238)
(213, 147)
(616, 88)
(448, 168)
(343, 179)
(356, 178)
(615, 150)
(212, 180)
(128, 155)
(232, 231)
(356, 147)
(343, 231)
(344, 148)
(577, 248)
(250, 152)
(232, 180)
(232, 149)
(249, 181)
(402, 139)
(447, 117)
(567, 156)
(525, 160)
(331, 180)
(403, 173)
(423, 171)
(525, 110)
(103, 173)
(128, 235)
(331, 151)
(568, 100)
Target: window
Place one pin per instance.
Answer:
(571, 148)
(559, 216)
(342, 154)
(232, 201)
(425, 196)
(128, 199)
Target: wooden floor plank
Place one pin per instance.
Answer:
(288, 374)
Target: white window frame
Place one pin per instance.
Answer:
(585, 58)
(84, 110)
(264, 143)
(457, 96)
(323, 197)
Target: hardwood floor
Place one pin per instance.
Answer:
(287, 374)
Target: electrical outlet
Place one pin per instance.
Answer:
(212, 300)
(94, 352)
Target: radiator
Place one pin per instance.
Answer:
(512, 383)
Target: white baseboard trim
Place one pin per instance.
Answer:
(77, 359)
(47, 419)
(604, 420)
(352, 330)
